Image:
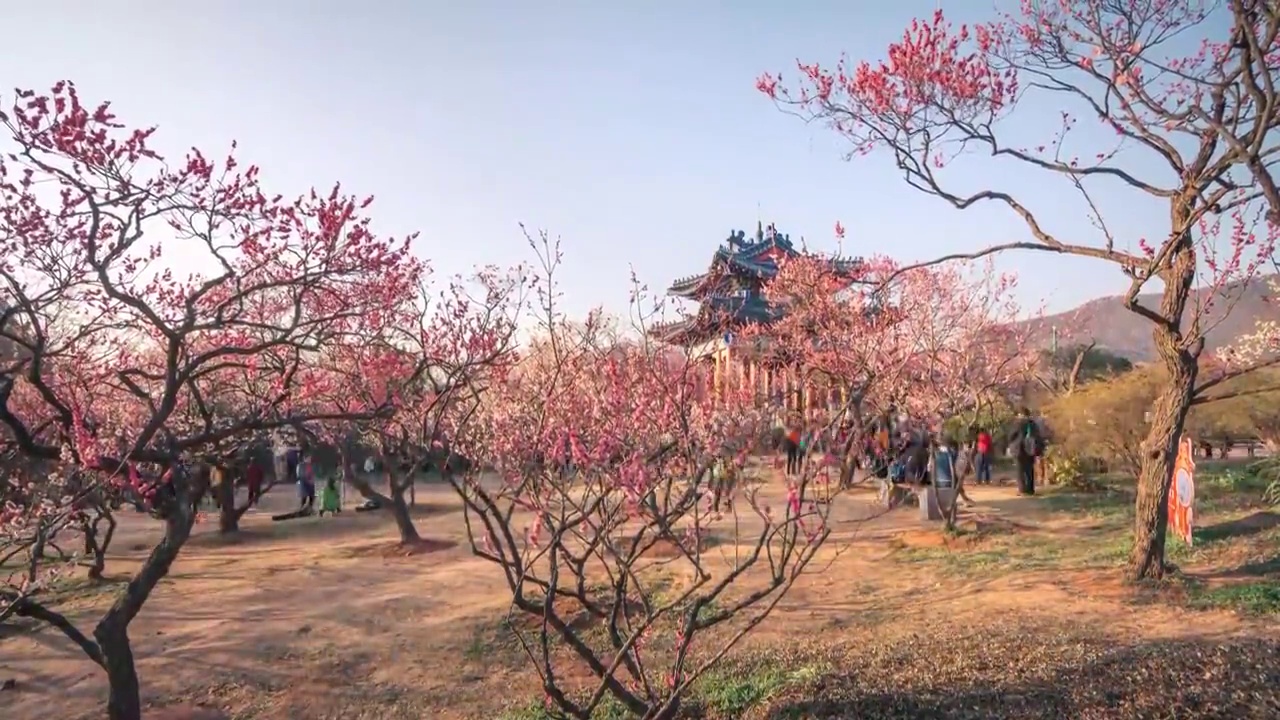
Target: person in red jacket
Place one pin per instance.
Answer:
(982, 457)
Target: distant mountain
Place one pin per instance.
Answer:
(1124, 333)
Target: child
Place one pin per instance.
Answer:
(330, 500)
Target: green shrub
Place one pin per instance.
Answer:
(1062, 468)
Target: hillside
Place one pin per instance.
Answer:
(1125, 333)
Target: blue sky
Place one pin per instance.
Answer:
(633, 130)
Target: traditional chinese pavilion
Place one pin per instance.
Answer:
(730, 295)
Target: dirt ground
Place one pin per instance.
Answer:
(310, 619)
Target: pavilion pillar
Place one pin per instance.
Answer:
(753, 381)
(731, 367)
(717, 371)
(797, 400)
(709, 377)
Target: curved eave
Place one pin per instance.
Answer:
(690, 286)
(671, 332)
(700, 286)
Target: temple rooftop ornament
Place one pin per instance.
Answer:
(730, 291)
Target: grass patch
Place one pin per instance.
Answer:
(1111, 503)
(1003, 555)
(1261, 597)
(608, 709)
(1231, 488)
(494, 643)
(1115, 549)
(729, 692)
(726, 692)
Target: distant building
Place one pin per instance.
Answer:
(730, 295)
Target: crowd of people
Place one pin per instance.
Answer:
(293, 466)
(900, 451)
(897, 451)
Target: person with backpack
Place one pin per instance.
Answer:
(1026, 445)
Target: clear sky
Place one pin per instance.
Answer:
(631, 129)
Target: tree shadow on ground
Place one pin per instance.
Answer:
(1261, 568)
(1091, 680)
(1258, 522)
(313, 528)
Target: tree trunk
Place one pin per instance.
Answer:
(97, 542)
(112, 631)
(1160, 449)
(228, 515)
(393, 501)
(1168, 416)
(125, 699)
(400, 511)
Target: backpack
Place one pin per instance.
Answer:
(897, 471)
(1029, 445)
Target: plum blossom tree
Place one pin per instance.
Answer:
(130, 289)
(1173, 81)
(969, 350)
(934, 342)
(589, 488)
(35, 518)
(842, 330)
(419, 377)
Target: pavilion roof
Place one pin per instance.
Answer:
(718, 314)
(755, 261)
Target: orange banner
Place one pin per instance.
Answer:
(1182, 493)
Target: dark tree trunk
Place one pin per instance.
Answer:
(112, 631)
(97, 541)
(1179, 354)
(228, 517)
(124, 701)
(393, 501)
(228, 514)
(404, 521)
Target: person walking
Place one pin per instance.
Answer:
(254, 477)
(982, 448)
(306, 484)
(1026, 445)
(791, 444)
